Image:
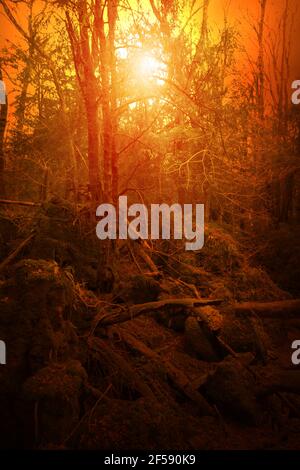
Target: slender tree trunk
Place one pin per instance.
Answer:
(204, 27)
(260, 61)
(85, 72)
(93, 148)
(20, 112)
(112, 16)
(3, 122)
(283, 75)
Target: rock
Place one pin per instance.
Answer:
(59, 237)
(135, 424)
(57, 390)
(174, 317)
(211, 316)
(220, 253)
(34, 304)
(200, 341)
(245, 334)
(141, 289)
(231, 388)
(195, 275)
(66, 254)
(177, 322)
(246, 358)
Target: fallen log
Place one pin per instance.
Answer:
(106, 355)
(287, 381)
(276, 309)
(139, 309)
(177, 377)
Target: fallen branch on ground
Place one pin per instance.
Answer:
(134, 311)
(276, 309)
(20, 203)
(178, 378)
(105, 354)
(287, 381)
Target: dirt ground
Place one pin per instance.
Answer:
(162, 360)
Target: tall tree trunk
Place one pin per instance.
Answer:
(204, 25)
(93, 148)
(260, 60)
(20, 112)
(112, 16)
(283, 75)
(106, 116)
(3, 121)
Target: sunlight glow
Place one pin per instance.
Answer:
(122, 53)
(148, 66)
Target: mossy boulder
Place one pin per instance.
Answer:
(232, 389)
(62, 236)
(200, 341)
(245, 334)
(35, 303)
(56, 390)
(220, 253)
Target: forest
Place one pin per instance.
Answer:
(114, 340)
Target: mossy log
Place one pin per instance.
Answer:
(276, 309)
(177, 377)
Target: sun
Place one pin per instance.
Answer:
(148, 66)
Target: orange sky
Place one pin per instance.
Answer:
(240, 12)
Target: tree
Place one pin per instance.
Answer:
(34, 44)
(260, 60)
(93, 49)
(3, 121)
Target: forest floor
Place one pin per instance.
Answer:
(184, 351)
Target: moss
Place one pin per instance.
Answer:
(59, 208)
(44, 279)
(229, 274)
(253, 283)
(143, 289)
(246, 334)
(232, 389)
(59, 237)
(124, 424)
(211, 316)
(65, 380)
(55, 391)
(280, 254)
(220, 253)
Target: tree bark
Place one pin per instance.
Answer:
(260, 61)
(277, 309)
(3, 122)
